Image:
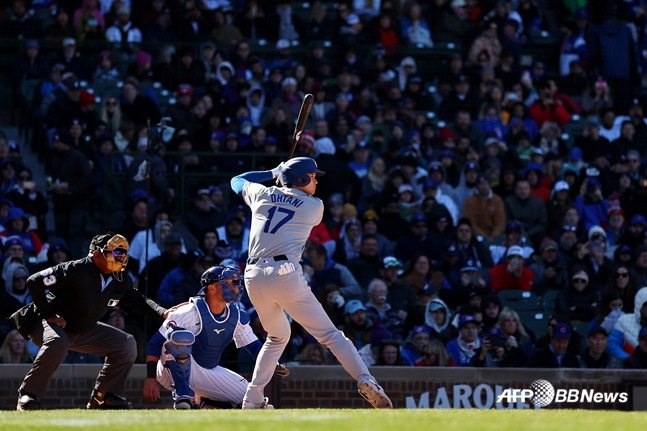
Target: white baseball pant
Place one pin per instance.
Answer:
(271, 294)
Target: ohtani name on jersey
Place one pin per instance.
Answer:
(295, 202)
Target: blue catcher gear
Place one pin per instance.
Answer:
(295, 171)
(229, 278)
(179, 346)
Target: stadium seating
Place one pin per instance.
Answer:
(520, 300)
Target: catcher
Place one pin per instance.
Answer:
(191, 341)
(69, 299)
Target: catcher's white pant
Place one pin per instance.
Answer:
(271, 294)
(218, 384)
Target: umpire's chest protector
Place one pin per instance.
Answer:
(214, 335)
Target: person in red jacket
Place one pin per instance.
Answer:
(511, 274)
(546, 108)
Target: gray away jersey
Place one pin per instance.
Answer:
(282, 219)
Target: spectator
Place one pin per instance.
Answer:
(431, 190)
(156, 269)
(528, 210)
(326, 271)
(189, 285)
(550, 270)
(471, 283)
(558, 204)
(454, 25)
(512, 274)
(70, 188)
(513, 235)
(417, 240)
(73, 61)
(348, 246)
(596, 355)
(370, 227)
(18, 225)
(357, 326)
(369, 352)
(416, 346)
(638, 360)
(14, 294)
(546, 108)
(518, 344)
(136, 108)
(202, 215)
(555, 354)
(579, 301)
(313, 354)
(609, 311)
(623, 339)
(87, 16)
(156, 237)
(57, 252)
(493, 353)
(437, 319)
(380, 311)
(388, 354)
(460, 99)
(485, 210)
(624, 284)
(597, 265)
(417, 272)
(367, 265)
(14, 349)
(415, 30)
(613, 56)
(463, 348)
(486, 48)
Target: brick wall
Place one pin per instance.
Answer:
(331, 387)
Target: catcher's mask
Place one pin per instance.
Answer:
(229, 278)
(114, 249)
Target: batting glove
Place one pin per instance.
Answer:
(277, 171)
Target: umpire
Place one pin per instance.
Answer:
(69, 299)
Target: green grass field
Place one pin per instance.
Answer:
(320, 419)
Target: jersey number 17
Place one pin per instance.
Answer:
(270, 216)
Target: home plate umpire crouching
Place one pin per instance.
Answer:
(69, 299)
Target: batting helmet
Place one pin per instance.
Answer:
(230, 279)
(295, 171)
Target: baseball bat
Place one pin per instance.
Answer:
(304, 112)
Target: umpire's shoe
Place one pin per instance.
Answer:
(27, 402)
(108, 401)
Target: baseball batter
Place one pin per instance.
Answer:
(191, 340)
(282, 218)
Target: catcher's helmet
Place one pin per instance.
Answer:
(230, 279)
(296, 171)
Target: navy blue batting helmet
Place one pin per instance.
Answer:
(230, 279)
(296, 171)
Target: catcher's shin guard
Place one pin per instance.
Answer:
(179, 346)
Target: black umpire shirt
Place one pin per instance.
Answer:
(80, 293)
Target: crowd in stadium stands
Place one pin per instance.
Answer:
(487, 208)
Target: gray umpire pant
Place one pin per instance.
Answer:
(271, 294)
(118, 347)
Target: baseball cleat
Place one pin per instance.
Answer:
(27, 402)
(108, 401)
(183, 404)
(253, 406)
(373, 393)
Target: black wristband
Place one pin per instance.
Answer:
(151, 369)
